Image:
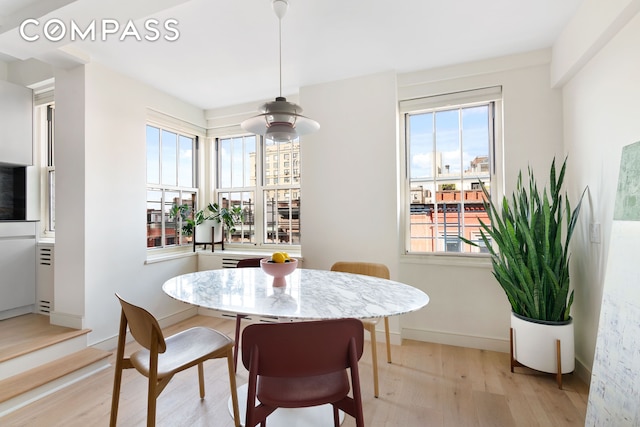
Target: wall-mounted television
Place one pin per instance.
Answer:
(13, 193)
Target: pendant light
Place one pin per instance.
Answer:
(280, 120)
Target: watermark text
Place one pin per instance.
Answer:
(55, 30)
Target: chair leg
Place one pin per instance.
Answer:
(388, 338)
(236, 344)
(201, 379)
(233, 389)
(117, 379)
(152, 394)
(336, 417)
(374, 359)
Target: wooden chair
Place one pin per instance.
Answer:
(376, 270)
(243, 263)
(160, 359)
(302, 364)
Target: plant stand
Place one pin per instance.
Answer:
(211, 239)
(515, 363)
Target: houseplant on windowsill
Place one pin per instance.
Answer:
(212, 216)
(229, 217)
(530, 259)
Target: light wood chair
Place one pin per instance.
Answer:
(375, 270)
(160, 359)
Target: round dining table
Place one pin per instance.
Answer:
(308, 295)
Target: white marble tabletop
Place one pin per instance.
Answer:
(309, 294)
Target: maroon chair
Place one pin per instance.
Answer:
(302, 364)
(243, 263)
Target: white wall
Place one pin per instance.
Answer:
(349, 172)
(600, 117)
(468, 307)
(350, 185)
(101, 193)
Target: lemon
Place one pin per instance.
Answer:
(286, 256)
(278, 257)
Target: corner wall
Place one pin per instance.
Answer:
(600, 117)
(100, 166)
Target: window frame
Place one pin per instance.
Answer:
(459, 99)
(185, 130)
(259, 190)
(44, 146)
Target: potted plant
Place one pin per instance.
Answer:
(182, 212)
(229, 217)
(204, 219)
(530, 258)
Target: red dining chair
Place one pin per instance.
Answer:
(243, 263)
(161, 358)
(303, 364)
(375, 270)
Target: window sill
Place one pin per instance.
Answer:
(168, 255)
(458, 260)
(240, 252)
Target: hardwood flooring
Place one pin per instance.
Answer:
(426, 385)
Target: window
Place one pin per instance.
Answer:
(44, 120)
(266, 191)
(51, 172)
(171, 184)
(450, 143)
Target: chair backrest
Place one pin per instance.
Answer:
(300, 349)
(248, 262)
(366, 268)
(143, 326)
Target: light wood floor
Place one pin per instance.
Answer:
(426, 385)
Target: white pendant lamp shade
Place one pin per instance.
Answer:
(280, 120)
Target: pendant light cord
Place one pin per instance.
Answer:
(280, 50)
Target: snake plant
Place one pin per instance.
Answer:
(529, 252)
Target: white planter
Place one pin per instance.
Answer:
(535, 345)
(203, 231)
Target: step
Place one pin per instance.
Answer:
(24, 388)
(29, 341)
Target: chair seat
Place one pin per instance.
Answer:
(184, 349)
(302, 392)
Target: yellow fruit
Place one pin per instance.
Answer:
(278, 257)
(286, 255)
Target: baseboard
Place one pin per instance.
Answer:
(447, 338)
(582, 372)
(67, 320)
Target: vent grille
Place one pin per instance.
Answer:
(45, 278)
(45, 256)
(231, 262)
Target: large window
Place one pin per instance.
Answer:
(450, 146)
(171, 183)
(263, 179)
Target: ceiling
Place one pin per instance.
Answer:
(227, 51)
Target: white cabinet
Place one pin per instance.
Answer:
(17, 268)
(16, 124)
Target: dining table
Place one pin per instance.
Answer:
(308, 294)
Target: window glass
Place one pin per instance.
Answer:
(153, 155)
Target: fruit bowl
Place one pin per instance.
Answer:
(279, 270)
